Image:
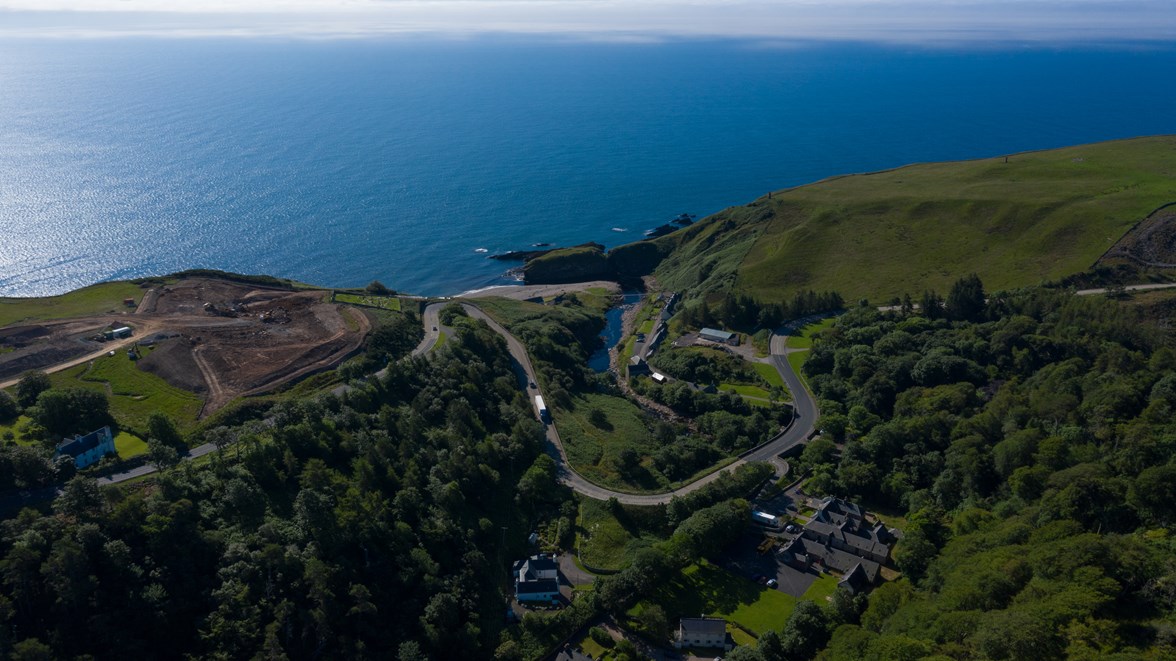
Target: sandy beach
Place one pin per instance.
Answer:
(521, 292)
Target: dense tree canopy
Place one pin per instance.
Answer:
(351, 527)
(1029, 439)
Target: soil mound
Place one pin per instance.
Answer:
(172, 361)
(1150, 243)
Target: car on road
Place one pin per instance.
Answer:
(434, 329)
(790, 528)
(531, 384)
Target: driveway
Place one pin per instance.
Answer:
(743, 559)
(573, 574)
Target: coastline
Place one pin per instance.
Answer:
(523, 292)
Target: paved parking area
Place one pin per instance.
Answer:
(742, 558)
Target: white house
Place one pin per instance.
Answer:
(536, 579)
(88, 449)
(709, 632)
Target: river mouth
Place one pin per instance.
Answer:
(613, 330)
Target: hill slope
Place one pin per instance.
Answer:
(1038, 216)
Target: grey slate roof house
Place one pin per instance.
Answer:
(87, 450)
(855, 580)
(838, 537)
(803, 553)
(709, 632)
(536, 579)
(842, 525)
(638, 366)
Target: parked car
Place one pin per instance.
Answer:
(790, 528)
(773, 583)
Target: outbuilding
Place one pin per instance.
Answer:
(718, 336)
(765, 519)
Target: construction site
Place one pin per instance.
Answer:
(219, 338)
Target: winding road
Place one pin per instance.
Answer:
(801, 427)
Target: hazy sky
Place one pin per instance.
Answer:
(929, 21)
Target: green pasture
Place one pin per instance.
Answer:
(390, 303)
(134, 394)
(1016, 220)
(102, 298)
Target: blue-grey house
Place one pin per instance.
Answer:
(88, 449)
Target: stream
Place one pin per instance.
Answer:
(613, 329)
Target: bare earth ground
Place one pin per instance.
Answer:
(1151, 243)
(252, 340)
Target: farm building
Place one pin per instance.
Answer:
(718, 336)
(114, 333)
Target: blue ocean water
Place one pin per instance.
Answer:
(336, 162)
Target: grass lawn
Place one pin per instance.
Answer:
(740, 636)
(15, 426)
(608, 541)
(746, 390)
(804, 339)
(893, 518)
(590, 647)
(627, 351)
(441, 338)
(95, 299)
(796, 360)
(133, 393)
(713, 591)
(821, 589)
(769, 374)
(390, 303)
(593, 450)
(128, 445)
(716, 592)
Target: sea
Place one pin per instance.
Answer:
(411, 160)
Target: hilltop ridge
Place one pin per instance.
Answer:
(1016, 220)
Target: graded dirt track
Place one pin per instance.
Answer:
(221, 338)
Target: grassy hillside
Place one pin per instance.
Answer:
(95, 299)
(1038, 216)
